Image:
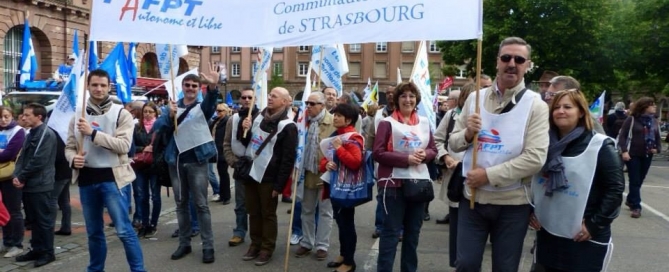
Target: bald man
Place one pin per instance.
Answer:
(271, 143)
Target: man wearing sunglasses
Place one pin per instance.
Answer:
(233, 148)
(508, 155)
(188, 153)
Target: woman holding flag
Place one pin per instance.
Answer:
(347, 148)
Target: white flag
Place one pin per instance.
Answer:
(70, 100)
(163, 53)
(177, 84)
(333, 67)
(260, 76)
(421, 77)
(399, 75)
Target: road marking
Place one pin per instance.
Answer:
(651, 209)
(370, 264)
(655, 186)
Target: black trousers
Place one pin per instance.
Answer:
(345, 218)
(224, 178)
(39, 206)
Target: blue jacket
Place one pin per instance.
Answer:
(199, 154)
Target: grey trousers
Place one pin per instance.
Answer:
(192, 179)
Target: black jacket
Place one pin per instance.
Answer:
(35, 168)
(606, 193)
(219, 135)
(63, 170)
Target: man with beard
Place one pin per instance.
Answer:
(330, 98)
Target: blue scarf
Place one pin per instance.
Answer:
(649, 131)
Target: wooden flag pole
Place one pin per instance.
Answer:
(256, 77)
(296, 176)
(174, 91)
(83, 95)
(475, 142)
(320, 69)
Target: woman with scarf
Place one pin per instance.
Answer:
(639, 139)
(577, 193)
(348, 147)
(403, 145)
(146, 184)
(11, 141)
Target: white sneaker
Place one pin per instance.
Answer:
(215, 198)
(295, 239)
(13, 252)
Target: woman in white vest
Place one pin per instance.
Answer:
(403, 145)
(578, 192)
(11, 140)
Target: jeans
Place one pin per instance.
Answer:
(60, 197)
(637, 169)
(126, 191)
(213, 180)
(190, 181)
(93, 198)
(380, 213)
(312, 203)
(242, 218)
(348, 238)
(39, 206)
(297, 219)
(12, 197)
(261, 207)
(224, 176)
(401, 214)
(148, 187)
(452, 236)
(506, 225)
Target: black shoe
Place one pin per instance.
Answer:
(208, 255)
(286, 200)
(426, 217)
(195, 233)
(334, 264)
(44, 260)
(446, 220)
(225, 202)
(63, 233)
(376, 234)
(175, 234)
(30, 256)
(181, 252)
(141, 233)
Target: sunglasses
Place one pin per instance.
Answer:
(517, 59)
(246, 97)
(188, 85)
(219, 110)
(311, 104)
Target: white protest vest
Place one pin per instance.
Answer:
(237, 147)
(193, 130)
(502, 136)
(562, 213)
(261, 161)
(329, 151)
(6, 136)
(97, 156)
(407, 139)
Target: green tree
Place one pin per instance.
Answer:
(275, 81)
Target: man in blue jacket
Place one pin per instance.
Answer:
(190, 149)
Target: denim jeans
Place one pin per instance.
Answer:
(400, 214)
(40, 207)
(61, 199)
(12, 233)
(190, 182)
(93, 198)
(637, 169)
(148, 187)
(381, 214)
(452, 236)
(213, 179)
(297, 218)
(242, 218)
(505, 224)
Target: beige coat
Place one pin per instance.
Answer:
(326, 127)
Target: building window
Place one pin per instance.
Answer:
(278, 49)
(278, 68)
(437, 68)
(408, 47)
(405, 70)
(354, 48)
(216, 49)
(235, 69)
(381, 47)
(302, 69)
(380, 70)
(303, 49)
(255, 49)
(354, 69)
(236, 49)
(12, 55)
(433, 48)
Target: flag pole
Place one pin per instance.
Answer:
(475, 141)
(296, 172)
(174, 91)
(320, 69)
(83, 95)
(256, 77)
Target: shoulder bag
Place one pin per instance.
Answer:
(244, 164)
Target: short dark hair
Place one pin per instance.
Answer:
(98, 73)
(403, 87)
(348, 111)
(191, 77)
(38, 109)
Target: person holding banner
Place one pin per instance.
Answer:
(578, 192)
(404, 144)
(272, 166)
(319, 127)
(347, 145)
(102, 169)
(508, 155)
(188, 154)
(233, 149)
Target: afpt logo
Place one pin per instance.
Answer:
(410, 140)
(96, 126)
(158, 6)
(489, 136)
(256, 142)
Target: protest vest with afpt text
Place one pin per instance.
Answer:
(407, 139)
(97, 156)
(261, 161)
(193, 130)
(237, 147)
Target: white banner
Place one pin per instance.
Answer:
(284, 23)
(333, 67)
(420, 75)
(260, 76)
(72, 92)
(163, 53)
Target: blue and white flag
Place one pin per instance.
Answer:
(68, 102)
(28, 59)
(75, 44)
(260, 75)
(228, 99)
(116, 64)
(302, 136)
(333, 67)
(132, 64)
(420, 76)
(597, 108)
(368, 89)
(92, 56)
(163, 53)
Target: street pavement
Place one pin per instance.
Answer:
(640, 244)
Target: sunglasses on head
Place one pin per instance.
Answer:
(188, 85)
(311, 104)
(246, 97)
(516, 59)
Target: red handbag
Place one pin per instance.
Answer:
(144, 159)
(4, 214)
